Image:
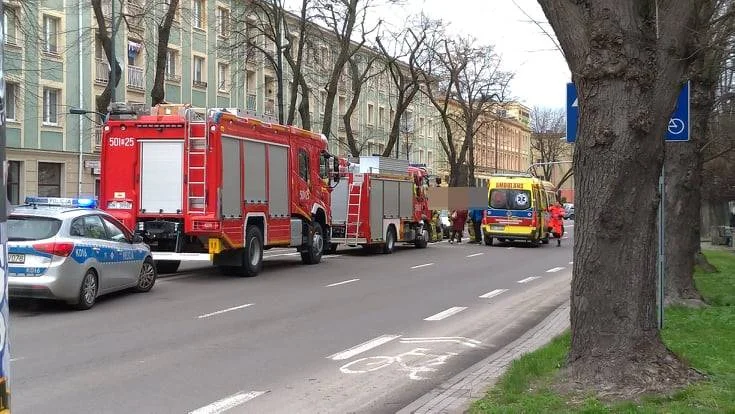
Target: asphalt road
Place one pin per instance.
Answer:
(356, 333)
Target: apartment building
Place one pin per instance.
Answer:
(54, 62)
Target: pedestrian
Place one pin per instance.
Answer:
(556, 222)
(476, 215)
(459, 219)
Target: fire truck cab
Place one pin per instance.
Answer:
(381, 202)
(192, 180)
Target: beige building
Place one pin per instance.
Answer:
(502, 144)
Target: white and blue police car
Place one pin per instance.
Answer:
(67, 249)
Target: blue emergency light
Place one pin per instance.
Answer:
(62, 202)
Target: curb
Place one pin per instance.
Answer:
(458, 393)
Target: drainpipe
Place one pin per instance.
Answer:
(81, 102)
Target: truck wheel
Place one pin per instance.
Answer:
(423, 239)
(390, 241)
(168, 266)
(315, 248)
(252, 257)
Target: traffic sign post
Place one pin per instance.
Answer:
(679, 130)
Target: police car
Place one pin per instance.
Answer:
(66, 249)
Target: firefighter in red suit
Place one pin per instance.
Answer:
(556, 223)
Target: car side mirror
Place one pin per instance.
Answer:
(137, 238)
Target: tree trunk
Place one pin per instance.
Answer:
(683, 181)
(158, 91)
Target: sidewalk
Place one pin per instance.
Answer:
(457, 394)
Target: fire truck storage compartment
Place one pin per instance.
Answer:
(278, 181)
(377, 232)
(231, 184)
(255, 173)
(339, 202)
(389, 200)
(161, 190)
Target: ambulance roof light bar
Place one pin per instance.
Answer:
(61, 202)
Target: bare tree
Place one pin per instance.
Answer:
(359, 76)
(684, 161)
(547, 146)
(105, 38)
(158, 90)
(628, 59)
(464, 83)
(404, 52)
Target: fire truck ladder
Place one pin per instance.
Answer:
(196, 184)
(354, 203)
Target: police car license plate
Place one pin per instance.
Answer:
(498, 228)
(16, 258)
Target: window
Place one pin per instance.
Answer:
(322, 101)
(50, 106)
(222, 75)
(223, 21)
(11, 101)
(14, 168)
(197, 14)
(22, 228)
(10, 25)
(198, 69)
(510, 199)
(50, 34)
(172, 57)
(49, 179)
(381, 116)
(371, 115)
(115, 231)
(88, 226)
(304, 165)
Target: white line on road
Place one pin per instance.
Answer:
(571, 263)
(528, 279)
(554, 270)
(475, 255)
(207, 315)
(16, 359)
(423, 265)
(445, 314)
(509, 248)
(365, 346)
(342, 283)
(493, 293)
(228, 402)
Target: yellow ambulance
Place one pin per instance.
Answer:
(517, 209)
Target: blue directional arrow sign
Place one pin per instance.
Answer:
(679, 124)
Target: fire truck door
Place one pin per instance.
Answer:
(303, 196)
(161, 170)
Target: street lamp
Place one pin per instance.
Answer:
(80, 111)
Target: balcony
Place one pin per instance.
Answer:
(173, 77)
(251, 102)
(136, 80)
(102, 71)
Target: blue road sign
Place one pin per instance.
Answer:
(679, 124)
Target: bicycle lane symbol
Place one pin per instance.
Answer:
(676, 126)
(415, 362)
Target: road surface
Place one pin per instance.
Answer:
(356, 333)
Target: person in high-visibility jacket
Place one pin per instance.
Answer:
(556, 222)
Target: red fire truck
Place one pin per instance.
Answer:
(209, 181)
(381, 202)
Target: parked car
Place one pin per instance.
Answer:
(65, 249)
(569, 211)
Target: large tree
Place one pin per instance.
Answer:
(684, 161)
(629, 60)
(104, 35)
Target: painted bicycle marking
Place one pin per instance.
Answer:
(414, 362)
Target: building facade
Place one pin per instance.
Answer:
(54, 62)
(501, 145)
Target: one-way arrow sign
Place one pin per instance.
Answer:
(679, 124)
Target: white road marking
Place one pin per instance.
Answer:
(363, 347)
(207, 315)
(228, 403)
(472, 343)
(554, 270)
(509, 248)
(493, 293)
(475, 255)
(571, 263)
(342, 283)
(16, 359)
(445, 314)
(528, 279)
(423, 265)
